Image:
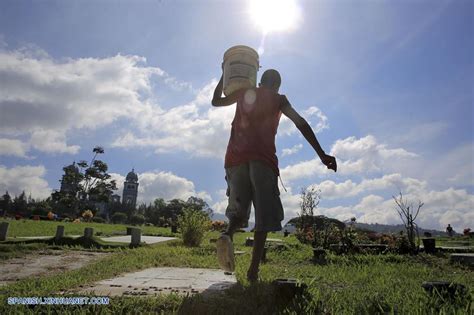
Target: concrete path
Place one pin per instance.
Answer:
(145, 239)
(161, 280)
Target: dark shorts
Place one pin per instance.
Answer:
(254, 182)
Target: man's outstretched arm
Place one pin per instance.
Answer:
(309, 135)
(218, 100)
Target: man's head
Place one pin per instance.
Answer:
(271, 79)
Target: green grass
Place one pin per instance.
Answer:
(18, 228)
(357, 284)
(455, 241)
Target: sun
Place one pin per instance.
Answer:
(275, 15)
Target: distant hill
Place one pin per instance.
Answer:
(219, 217)
(385, 228)
(379, 228)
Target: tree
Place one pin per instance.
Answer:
(6, 203)
(154, 213)
(97, 185)
(310, 198)
(199, 204)
(88, 185)
(40, 207)
(20, 204)
(163, 213)
(408, 216)
(173, 209)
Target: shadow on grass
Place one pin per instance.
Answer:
(259, 298)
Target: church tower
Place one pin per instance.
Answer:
(130, 189)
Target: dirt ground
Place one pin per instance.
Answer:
(43, 263)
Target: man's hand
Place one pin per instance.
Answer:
(330, 162)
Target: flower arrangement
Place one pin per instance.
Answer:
(87, 215)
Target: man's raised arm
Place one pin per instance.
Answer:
(218, 100)
(308, 133)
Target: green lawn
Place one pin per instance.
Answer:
(48, 228)
(353, 284)
(455, 241)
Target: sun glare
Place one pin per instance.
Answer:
(275, 15)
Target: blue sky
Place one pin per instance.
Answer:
(387, 85)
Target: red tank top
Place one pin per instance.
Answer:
(254, 128)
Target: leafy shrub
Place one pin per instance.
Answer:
(137, 219)
(400, 245)
(193, 225)
(98, 220)
(119, 217)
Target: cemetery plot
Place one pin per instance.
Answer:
(45, 263)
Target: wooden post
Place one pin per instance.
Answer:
(59, 232)
(88, 232)
(3, 231)
(136, 236)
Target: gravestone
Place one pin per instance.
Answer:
(429, 245)
(3, 231)
(174, 229)
(464, 259)
(249, 241)
(129, 230)
(88, 232)
(319, 256)
(136, 236)
(264, 254)
(59, 232)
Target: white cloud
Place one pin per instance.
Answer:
(354, 157)
(221, 205)
(42, 96)
(456, 167)
(305, 169)
(419, 133)
(196, 128)
(13, 147)
(161, 184)
(321, 122)
(289, 151)
(313, 115)
(27, 178)
(392, 182)
(440, 208)
(52, 141)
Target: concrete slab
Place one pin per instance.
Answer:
(458, 249)
(465, 259)
(270, 240)
(162, 280)
(144, 238)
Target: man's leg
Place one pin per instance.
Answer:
(238, 210)
(259, 239)
(268, 210)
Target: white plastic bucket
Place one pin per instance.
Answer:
(240, 68)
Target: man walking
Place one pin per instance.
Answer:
(251, 164)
